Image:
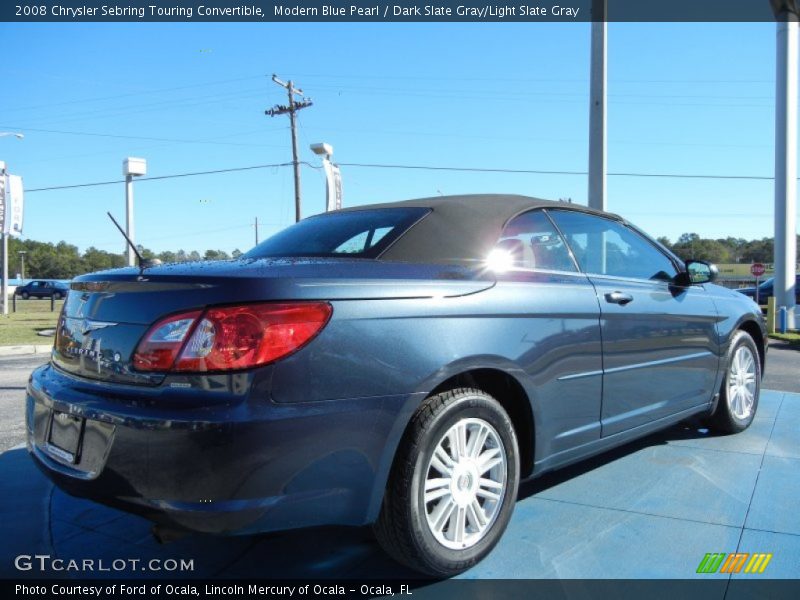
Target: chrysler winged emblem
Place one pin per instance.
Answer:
(89, 326)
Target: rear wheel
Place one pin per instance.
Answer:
(453, 484)
(741, 387)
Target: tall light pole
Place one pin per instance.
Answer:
(333, 176)
(22, 254)
(131, 167)
(786, 13)
(597, 108)
(5, 202)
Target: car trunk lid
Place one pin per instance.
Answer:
(106, 314)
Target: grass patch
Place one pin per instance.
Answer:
(31, 317)
(792, 338)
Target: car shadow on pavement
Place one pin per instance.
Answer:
(690, 429)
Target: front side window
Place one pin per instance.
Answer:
(531, 242)
(356, 234)
(607, 247)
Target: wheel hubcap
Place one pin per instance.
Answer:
(465, 483)
(742, 383)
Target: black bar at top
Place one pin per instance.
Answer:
(367, 11)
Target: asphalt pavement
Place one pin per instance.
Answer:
(14, 372)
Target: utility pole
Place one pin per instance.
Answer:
(256, 231)
(786, 14)
(291, 109)
(597, 108)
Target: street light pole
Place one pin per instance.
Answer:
(4, 192)
(131, 167)
(786, 13)
(22, 254)
(333, 176)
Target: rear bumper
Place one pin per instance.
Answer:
(243, 466)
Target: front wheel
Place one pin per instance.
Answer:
(25, 295)
(453, 484)
(741, 387)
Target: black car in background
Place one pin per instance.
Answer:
(766, 291)
(41, 288)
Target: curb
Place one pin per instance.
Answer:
(25, 349)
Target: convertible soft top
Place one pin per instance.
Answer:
(460, 229)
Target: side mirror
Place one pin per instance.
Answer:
(697, 271)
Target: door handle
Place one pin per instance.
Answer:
(618, 298)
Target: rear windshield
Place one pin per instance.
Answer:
(357, 234)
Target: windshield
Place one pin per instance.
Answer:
(355, 234)
(767, 285)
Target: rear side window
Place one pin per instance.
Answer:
(532, 242)
(356, 234)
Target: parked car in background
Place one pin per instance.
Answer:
(404, 365)
(43, 288)
(765, 290)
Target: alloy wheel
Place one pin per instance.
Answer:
(742, 383)
(465, 483)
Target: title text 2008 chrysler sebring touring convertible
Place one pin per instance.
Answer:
(400, 364)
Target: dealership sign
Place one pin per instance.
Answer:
(11, 205)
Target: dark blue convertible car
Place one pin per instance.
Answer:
(403, 365)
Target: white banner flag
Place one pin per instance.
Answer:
(14, 206)
(333, 187)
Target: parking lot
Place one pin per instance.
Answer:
(651, 509)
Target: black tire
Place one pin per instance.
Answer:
(402, 527)
(57, 296)
(725, 419)
(25, 295)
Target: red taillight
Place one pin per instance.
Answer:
(230, 338)
(160, 346)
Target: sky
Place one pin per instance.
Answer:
(694, 98)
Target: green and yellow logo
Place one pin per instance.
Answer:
(733, 563)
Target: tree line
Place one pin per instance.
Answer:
(724, 250)
(44, 260)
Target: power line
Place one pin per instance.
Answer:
(553, 172)
(418, 168)
(147, 138)
(129, 94)
(157, 177)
